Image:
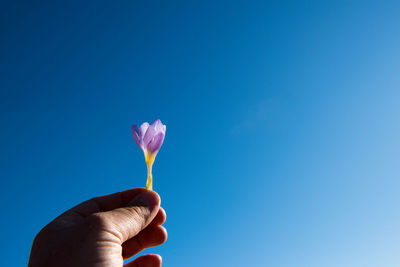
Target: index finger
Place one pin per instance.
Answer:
(106, 202)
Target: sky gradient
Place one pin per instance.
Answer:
(282, 145)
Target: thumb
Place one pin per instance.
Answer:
(126, 222)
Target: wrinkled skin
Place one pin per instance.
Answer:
(103, 231)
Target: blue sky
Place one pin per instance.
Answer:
(282, 145)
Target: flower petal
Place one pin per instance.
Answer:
(136, 135)
(155, 144)
(143, 129)
(149, 135)
(157, 124)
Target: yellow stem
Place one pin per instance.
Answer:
(149, 183)
(149, 163)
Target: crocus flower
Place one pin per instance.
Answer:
(149, 138)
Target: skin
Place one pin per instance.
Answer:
(103, 231)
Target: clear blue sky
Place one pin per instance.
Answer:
(283, 124)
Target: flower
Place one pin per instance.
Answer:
(149, 138)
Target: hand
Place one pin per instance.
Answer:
(103, 231)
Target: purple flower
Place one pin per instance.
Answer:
(149, 138)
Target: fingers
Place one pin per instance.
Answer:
(160, 218)
(149, 237)
(153, 235)
(107, 202)
(121, 224)
(151, 260)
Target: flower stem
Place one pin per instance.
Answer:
(149, 162)
(149, 183)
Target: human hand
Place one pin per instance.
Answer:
(103, 231)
